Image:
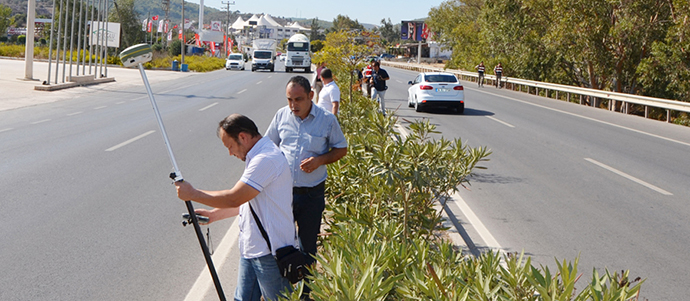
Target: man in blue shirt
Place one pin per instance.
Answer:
(378, 80)
(310, 137)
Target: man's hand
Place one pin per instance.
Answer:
(309, 164)
(185, 191)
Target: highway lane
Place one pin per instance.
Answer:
(565, 180)
(93, 215)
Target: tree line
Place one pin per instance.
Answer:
(631, 46)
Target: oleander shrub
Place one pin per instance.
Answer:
(384, 238)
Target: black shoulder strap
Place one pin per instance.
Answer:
(261, 227)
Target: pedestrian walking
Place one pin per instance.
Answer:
(498, 71)
(378, 80)
(480, 70)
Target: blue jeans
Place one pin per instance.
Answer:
(307, 209)
(379, 96)
(259, 276)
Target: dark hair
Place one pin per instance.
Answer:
(235, 124)
(300, 81)
(326, 73)
(377, 64)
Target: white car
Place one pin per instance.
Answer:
(436, 89)
(235, 61)
(282, 57)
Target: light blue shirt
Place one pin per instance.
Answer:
(267, 171)
(300, 139)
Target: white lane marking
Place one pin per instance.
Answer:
(204, 282)
(119, 102)
(472, 218)
(242, 91)
(207, 107)
(129, 141)
(270, 76)
(40, 121)
(592, 119)
(75, 113)
(397, 80)
(7, 129)
(259, 82)
(629, 177)
(500, 121)
(100, 107)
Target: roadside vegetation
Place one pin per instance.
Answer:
(638, 47)
(384, 237)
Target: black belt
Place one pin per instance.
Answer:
(305, 190)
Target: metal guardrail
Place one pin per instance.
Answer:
(591, 96)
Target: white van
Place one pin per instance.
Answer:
(234, 61)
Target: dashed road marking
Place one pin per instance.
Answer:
(129, 141)
(245, 90)
(41, 121)
(208, 107)
(500, 121)
(75, 113)
(629, 177)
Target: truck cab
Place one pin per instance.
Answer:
(298, 53)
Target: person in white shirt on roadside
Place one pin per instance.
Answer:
(329, 97)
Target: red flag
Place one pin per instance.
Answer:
(175, 26)
(196, 37)
(155, 18)
(180, 34)
(213, 47)
(150, 26)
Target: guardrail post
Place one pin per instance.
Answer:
(627, 108)
(646, 111)
(668, 115)
(557, 95)
(567, 97)
(536, 91)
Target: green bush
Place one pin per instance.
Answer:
(12, 50)
(384, 237)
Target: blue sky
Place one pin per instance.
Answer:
(364, 11)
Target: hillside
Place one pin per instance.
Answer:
(154, 7)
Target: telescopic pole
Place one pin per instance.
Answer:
(177, 177)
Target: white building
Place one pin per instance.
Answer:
(265, 27)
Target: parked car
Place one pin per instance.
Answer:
(235, 61)
(436, 89)
(386, 56)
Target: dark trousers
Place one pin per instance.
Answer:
(307, 207)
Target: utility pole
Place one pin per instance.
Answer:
(227, 34)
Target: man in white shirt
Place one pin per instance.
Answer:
(266, 186)
(329, 97)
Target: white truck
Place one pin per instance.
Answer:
(298, 53)
(263, 54)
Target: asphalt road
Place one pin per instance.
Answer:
(566, 180)
(91, 214)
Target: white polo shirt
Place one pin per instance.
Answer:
(267, 171)
(329, 94)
